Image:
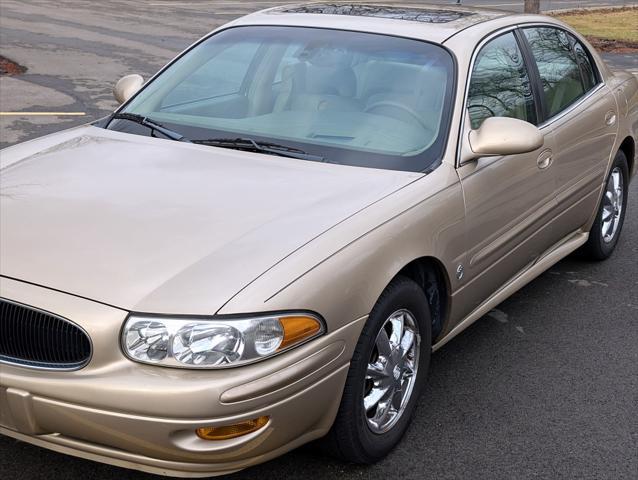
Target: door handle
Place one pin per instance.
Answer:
(545, 159)
(610, 118)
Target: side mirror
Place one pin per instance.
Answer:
(126, 87)
(505, 136)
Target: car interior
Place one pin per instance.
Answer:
(315, 93)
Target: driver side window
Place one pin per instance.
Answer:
(500, 85)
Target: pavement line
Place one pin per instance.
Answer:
(41, 114)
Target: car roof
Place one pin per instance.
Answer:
(433, 23)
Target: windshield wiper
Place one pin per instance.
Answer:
(152, 124)
(250, 145)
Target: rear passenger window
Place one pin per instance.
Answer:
(558, 67)
(500, 85)
(586, 67)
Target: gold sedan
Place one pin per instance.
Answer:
(265, 243)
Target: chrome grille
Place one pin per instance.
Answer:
(35, 338)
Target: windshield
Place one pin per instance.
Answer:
(345, 97)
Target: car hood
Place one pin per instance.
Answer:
(153, 225)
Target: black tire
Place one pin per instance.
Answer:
(596, 247)
(351, 438)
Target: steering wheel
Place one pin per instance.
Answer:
(400, 106)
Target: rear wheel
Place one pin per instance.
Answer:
(605, 232)
(387, 371)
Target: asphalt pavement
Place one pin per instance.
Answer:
(545, 386)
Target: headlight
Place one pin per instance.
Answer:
(214, 342)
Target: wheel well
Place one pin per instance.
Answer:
(628, 147)
(430, 275)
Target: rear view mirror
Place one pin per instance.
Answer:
(505, 136)
(126, 87)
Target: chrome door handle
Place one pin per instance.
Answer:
(544, 159)
(610, 118)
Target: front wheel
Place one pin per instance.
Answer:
(387, 372)
(605, 232)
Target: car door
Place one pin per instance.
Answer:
(509, 199)
(581, 111)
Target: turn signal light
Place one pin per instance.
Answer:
(297, 329)
(231, 431)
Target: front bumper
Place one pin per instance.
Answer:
(144, 417)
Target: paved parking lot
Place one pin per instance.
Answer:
(544, 387)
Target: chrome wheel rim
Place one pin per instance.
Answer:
(612, 205)
(392, 371)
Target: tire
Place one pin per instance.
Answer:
(604, 235)
(365, 436)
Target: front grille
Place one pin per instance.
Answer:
(36, 338)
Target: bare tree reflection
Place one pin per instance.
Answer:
(500, 85)
(553, 50)
(415, 14)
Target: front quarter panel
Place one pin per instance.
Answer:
(342, 273)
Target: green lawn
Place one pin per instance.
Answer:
(609, 24)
